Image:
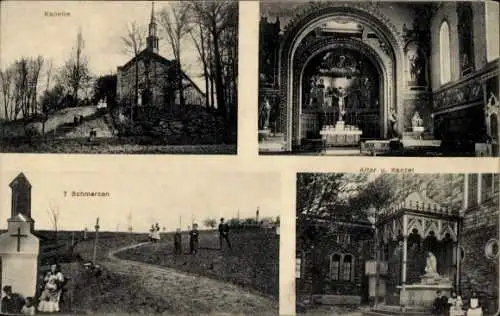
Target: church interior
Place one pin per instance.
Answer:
(379, 78)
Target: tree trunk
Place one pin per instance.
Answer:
(136, 87)
(218, 75)
(211, 77)
(205, 67)
(179, 83)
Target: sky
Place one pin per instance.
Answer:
(27, 31)
(148, 197)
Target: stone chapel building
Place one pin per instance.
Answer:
(157, 83)
(456, 216)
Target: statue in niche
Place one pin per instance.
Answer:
(366, 87)
(393, 119)
(265, 110)
(431, 265)
(313, 92)
(416, 66)
(321, 92)
(416, 120)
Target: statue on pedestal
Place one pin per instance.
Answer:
(431, 265)
(393, 119)
(264, 112)
(416, 120)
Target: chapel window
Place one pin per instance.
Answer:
(347, 268)
(472, 190)
(335, 266)
(496, 183)
(492, 30)
(444, 52)
(486, 187)
(466, 37)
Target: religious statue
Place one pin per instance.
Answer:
(431, 265)
(341, 94)
(313, 93)
(265, 111)
(321, 91)
(416, 65)
(393, 119)
(416, 120)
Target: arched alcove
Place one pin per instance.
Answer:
(297, 39)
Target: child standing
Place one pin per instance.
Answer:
(29, 307)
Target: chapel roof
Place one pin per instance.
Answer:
(157, 57)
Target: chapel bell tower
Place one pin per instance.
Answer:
(152, 40)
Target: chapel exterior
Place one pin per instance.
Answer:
(429, 66)
(157, 80)
(455, 216)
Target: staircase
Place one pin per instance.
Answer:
(386, 310)
(272, 144)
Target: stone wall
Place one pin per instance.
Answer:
(477, 272)
(315, 275)
(162, 85)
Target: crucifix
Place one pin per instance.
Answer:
(19, 238)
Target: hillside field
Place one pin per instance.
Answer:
(251, 264)
(253, 261)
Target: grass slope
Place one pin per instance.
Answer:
(253, 261)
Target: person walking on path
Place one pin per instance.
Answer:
(224, 233)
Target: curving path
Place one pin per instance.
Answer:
(192, 294)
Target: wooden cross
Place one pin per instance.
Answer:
(19, 238)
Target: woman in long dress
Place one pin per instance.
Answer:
(474, 306)
(52, 288)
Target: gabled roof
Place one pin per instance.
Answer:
(147, 54)
(156, 57)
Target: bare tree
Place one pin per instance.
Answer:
(134, 42)
(53, 212)
(175, 23)
(7, 78)
(44, 108)
(216, 17)
(75, 74)
(200, 42)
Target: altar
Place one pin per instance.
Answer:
(340, 135)
(337, 100)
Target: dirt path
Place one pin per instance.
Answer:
(192, 294)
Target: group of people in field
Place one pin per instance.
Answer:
(194, 234)
(47, 301)
(154, 233)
